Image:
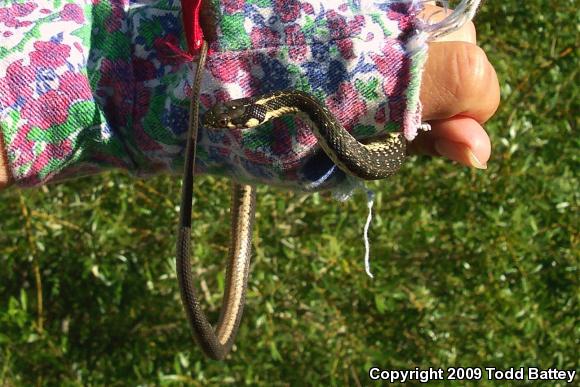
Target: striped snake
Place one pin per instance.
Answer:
(369, 161)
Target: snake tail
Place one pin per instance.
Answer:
(217, 343)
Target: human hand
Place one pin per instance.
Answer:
(459, 93)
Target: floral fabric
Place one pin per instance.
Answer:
(89, 85)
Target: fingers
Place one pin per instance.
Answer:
(461, 139)
(458, 80)
(459, 92)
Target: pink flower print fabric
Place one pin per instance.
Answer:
(86, 86)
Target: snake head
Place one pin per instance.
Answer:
(235, 114)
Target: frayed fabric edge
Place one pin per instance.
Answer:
(463, 13)
(418, 51)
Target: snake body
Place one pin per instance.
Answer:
(215, 344)
(374, 160)
(378, 159)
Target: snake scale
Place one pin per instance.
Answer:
(377, 159)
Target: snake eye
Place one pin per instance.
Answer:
(223, 122)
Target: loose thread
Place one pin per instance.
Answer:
(321, 180)
(424, 127)
(174, 51)
(370, 203)
(345, 191)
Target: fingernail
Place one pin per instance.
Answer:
(458, 152)
(474, 160)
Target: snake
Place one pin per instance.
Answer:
(369, 160)
(217, 343)
(372, 160)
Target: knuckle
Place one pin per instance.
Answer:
(471, 69)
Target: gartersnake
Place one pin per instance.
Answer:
(378, 159)
(216, 344)
(373, 160)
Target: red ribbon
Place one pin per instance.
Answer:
(193, 32)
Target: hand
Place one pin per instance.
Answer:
(459, 92)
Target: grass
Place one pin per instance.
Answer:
(472, 268)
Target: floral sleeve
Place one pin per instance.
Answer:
(91, 85)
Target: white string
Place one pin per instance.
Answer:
(370, 202)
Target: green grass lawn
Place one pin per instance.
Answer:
(472, 268)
